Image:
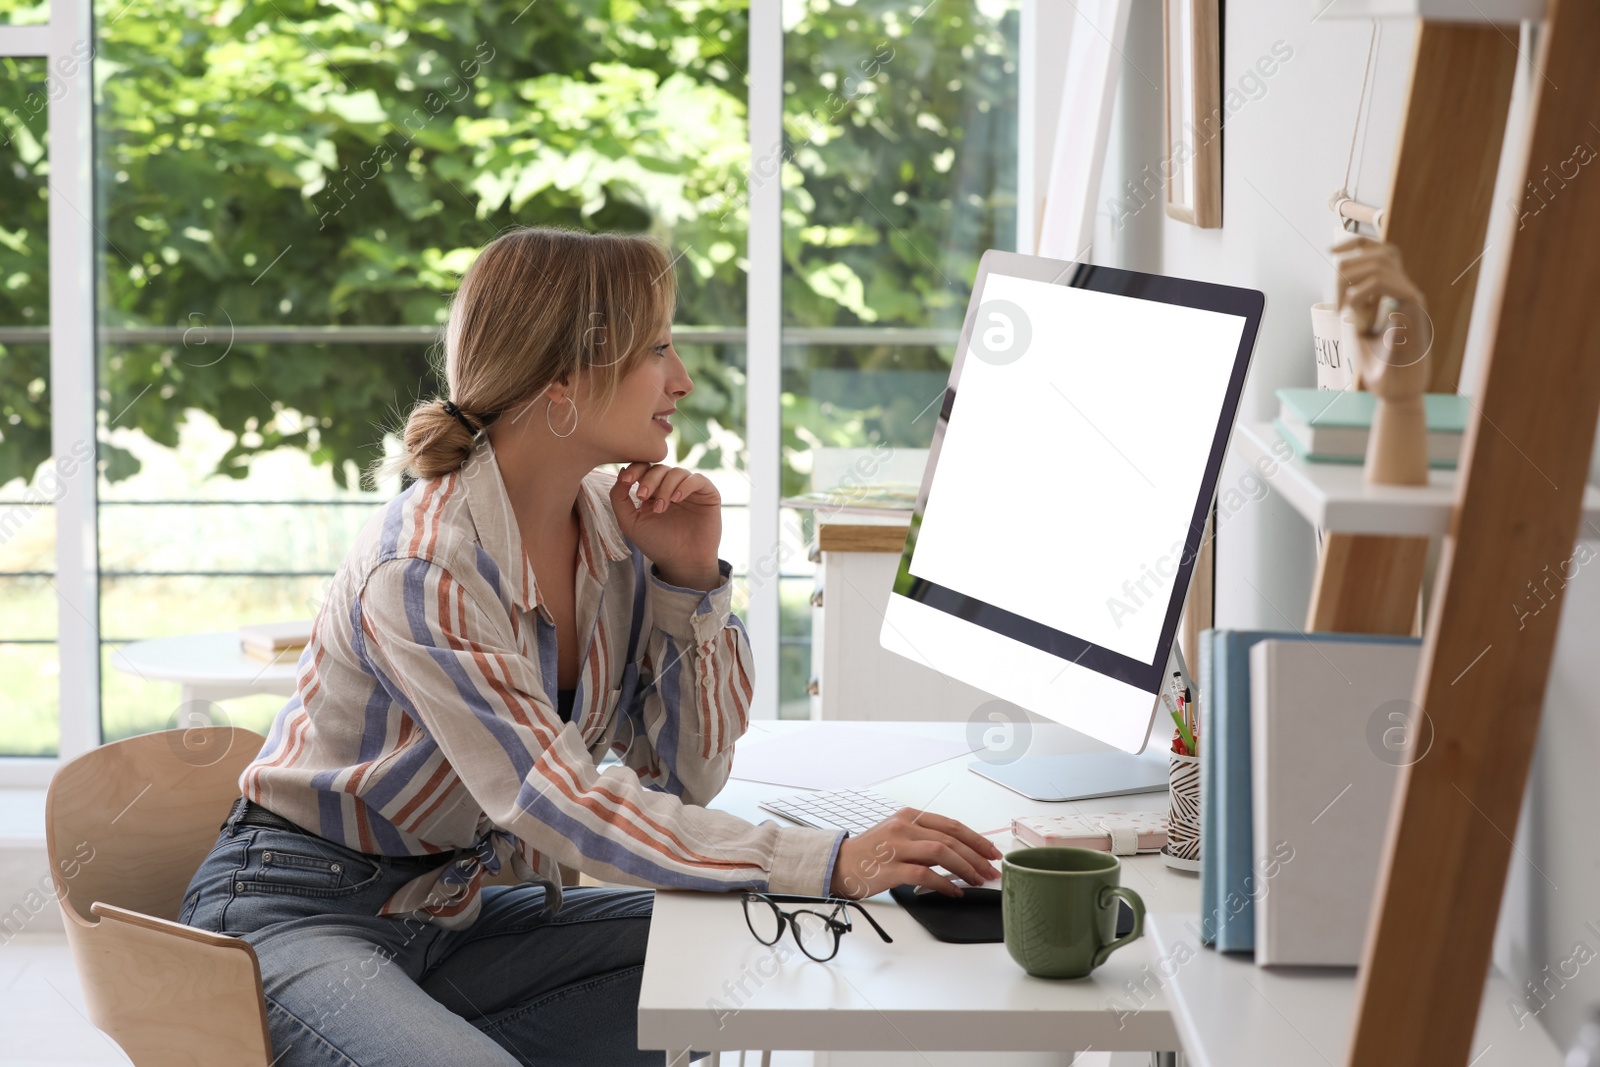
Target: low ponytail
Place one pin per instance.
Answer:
(437, 441)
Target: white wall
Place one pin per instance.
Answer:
(1284, 152)
(1285, 148)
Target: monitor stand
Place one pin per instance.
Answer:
(1077, 776)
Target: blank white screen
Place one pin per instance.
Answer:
(1066, 479)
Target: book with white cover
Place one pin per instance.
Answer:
(1331, 721)
(268, 640)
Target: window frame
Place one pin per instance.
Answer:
(69, 149)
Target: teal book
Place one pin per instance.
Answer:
(1332, 426)
(1229, 883)
(1209, 872)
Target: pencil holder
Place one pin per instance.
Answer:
(1182, 849)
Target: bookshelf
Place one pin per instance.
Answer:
(1516, 504)
(1231, 1013)
(1336, 497)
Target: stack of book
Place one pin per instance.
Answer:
(884, 498)
(1306, 872)
(274, 641)
(1332, 426)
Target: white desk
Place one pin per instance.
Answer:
(208, 666)
(709, 985)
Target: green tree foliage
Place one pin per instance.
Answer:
(24, 296)
(338, 163)
(901, 132)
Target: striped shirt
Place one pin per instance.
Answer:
(424, 719)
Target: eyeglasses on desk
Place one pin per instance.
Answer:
(816, 929)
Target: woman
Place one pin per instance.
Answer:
(504, 624)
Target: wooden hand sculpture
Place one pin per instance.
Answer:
(1387, 333)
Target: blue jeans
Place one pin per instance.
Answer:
(346, 987)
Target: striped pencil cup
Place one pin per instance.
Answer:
(1182, 849)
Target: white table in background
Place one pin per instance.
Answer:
(709, 985)
(208, 667)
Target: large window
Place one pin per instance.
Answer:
(901, 130)
(288, 193)
(284, 195)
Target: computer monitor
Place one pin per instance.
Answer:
(1074, 462)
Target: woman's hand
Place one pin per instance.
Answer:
(677, 522)
(903, 847)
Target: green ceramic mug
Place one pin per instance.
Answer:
(1059, 907)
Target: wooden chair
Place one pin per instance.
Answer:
(127, 825)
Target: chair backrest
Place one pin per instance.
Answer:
(130, 822)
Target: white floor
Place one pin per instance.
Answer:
(41, 1008)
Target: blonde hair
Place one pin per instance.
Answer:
(539, 305)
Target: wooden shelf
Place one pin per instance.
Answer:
(1231, 1013)
(1335, 496)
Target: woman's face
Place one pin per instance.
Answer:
(636, 425)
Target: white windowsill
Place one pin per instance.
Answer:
(21, 819)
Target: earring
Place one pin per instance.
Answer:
(548, 423)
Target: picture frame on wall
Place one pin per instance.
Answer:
(1191, 32)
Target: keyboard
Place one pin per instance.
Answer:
(856, 810)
